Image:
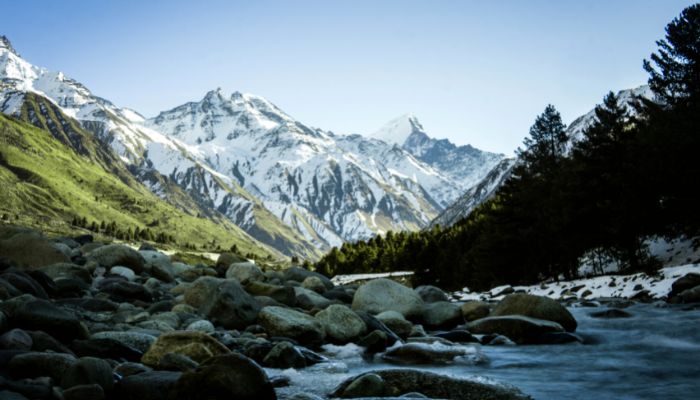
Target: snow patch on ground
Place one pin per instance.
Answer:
(345, 279)
(620, 286)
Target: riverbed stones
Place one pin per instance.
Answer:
(441, 314)
(138, 340)
(84, 392)
(89, 370)
(39, 314)
(36, 364)
(284, 355)
(690, 295)
(16, 339)
(473, 310)
(117, 254)
(244, 272)
(282, 294)
(341, 324)
(230, 376)
(299, 275)
(401, 381)
(230, 306)
(396, 322)
(431, 294)
(429, 354)
(379, 295)
(314, 283)
(537, 307)
(366, 385)
(196, 345)
(280, 321)
(28, 249)
(520, 329)
(150, 385)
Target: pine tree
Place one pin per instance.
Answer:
(547, 142)
(675, 75)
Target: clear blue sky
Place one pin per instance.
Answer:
(474, 72)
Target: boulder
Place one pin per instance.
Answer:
(225, 260)
(122, 291)
(431, 294)
(308, 299)
(284, 355)
(379, 295)
(137, 340)
(117, 254)
(366, 385)
(690, 295)
(87, 371)
(520, 329)
(473, 310)
(300, 274)
(282, 294)
(176, 362)
(124, 272)
(279, 321)
(230, 306)
(151, 385)
(341, 324)
(16, 339)
(36, 364)
(431, 354)
(202, 289)
(396, 322)
(38, 314)
(42, 341)
(441, 314)
(196, 345)
(231, 376)
(398, 382)
(688, 281)
(84, 392)
(201, 326)
(67, 270)
(28, 249)
(314, 283)
(244, 272)
(106, 348)
(538, 307)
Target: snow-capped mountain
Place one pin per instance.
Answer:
(297, 188)
(157, 160)
(329, 187)
(489, 184)
(463, 165)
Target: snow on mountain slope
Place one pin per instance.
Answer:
(476, 195)
(398, 129)
(331, 188)
(464, 166)
(156, 159)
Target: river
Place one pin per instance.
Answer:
(655, 354)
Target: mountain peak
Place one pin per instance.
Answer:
(399, 129)
(5, 44)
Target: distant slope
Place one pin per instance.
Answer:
(476, 195)
(49, 176)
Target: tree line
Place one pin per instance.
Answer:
(633, 174)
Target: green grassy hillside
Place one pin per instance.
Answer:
(49, 177)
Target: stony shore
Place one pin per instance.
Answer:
(85, 320)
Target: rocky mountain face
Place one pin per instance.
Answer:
(489, 184)
(299, 189)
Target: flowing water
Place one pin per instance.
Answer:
(655, 354)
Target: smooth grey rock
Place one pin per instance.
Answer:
(382, 294)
